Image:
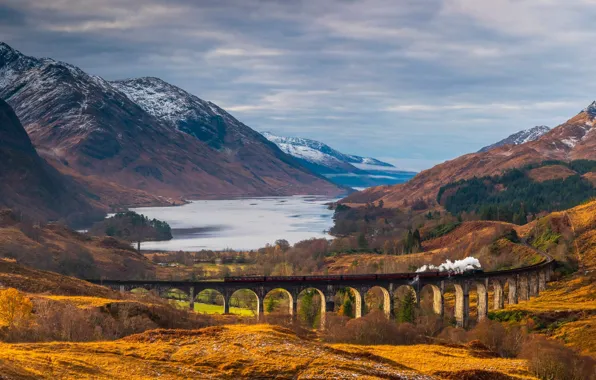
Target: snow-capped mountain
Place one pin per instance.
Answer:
(317, 152)
(344, 169)
(520, 137)
(145, 134)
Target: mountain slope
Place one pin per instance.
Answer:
(321, 154)
(28, 183)
(343, 169)
(572, 140)
(520, 137)
(89, 125)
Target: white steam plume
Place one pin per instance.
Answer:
(457, 266)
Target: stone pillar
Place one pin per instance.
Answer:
(122, 289)
(260, 310)
(523, 282)
(541, 281)
(512, 281)
(191, 298)
(359, 304)
(439, 299)
(534, 291)
(482, 290)
(294, 309)
(499, 300)
(226, 304)
(462, 304)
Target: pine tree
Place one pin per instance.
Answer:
(407, 309)
(362, 242)
(416, 241)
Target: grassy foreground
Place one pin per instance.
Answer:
(243, 351)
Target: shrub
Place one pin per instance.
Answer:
(15, 309)
(550, 360)
(373, 328)
(505, 340)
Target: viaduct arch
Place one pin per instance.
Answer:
(523, 283)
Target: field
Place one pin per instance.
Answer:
(252, 351)
(216, 309)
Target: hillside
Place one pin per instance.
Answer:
(59, 249)
(130, 133)
(30, 184)
(572, 140)
(241, 351)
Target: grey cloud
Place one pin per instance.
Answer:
(460, 73)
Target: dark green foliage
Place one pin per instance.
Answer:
(511, 235)
(407, 308)
(362, 242)
(513, 196)
(270, 304)
(440, 230)
(412, 242)
(309, 310)
(347, 302)
(133, 227)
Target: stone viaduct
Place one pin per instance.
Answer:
(521, 283)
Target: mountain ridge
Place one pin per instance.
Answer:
(91, 126)
(520, 137)
(571, 140)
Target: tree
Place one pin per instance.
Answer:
(309, 308)
(133, 227)
(407, 308)
(15, 309)
(387, 247)
(381, 203)
(416, 241)
(347, 308)
(270, 304)
(283, 244)
(362, 242)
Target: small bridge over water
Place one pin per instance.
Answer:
(522, 283)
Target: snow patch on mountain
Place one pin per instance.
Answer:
(322, 154)
(520, 137)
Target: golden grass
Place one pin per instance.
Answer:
(84, 302)
(432, 359)
(580, 335)
(225, 352)
(36, 281)
(573, 294)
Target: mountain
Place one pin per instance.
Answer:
(29, 184)
(343, 169)
(520, 137)
(575, 139)
(145, 134)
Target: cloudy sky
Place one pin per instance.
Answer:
(415, 82)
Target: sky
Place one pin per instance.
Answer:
(414, 82)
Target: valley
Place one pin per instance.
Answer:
(149, 233)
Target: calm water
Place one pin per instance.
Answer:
(247, 223)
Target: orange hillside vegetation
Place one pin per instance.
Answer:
(60, 249)
(550, 146)
(241, 351)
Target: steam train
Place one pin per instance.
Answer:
(353, 277)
